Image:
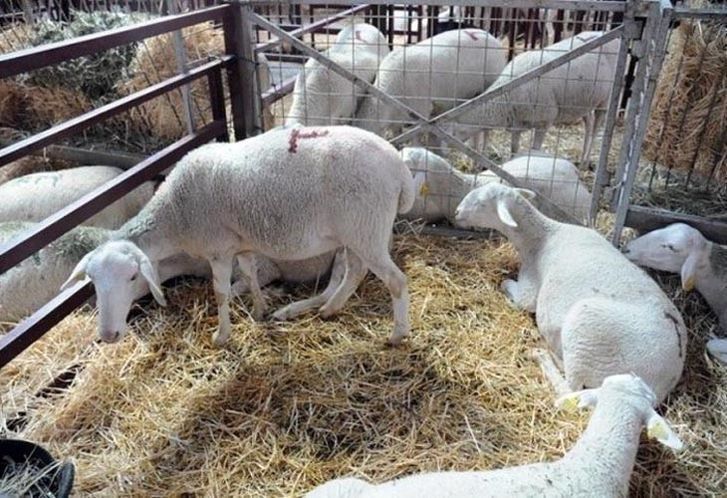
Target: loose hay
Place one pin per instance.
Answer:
(155, 61)
(286, 406)
(689, 113)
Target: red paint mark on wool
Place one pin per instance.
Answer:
(297, 134)
(472, 34)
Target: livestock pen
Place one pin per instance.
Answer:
(286, 406)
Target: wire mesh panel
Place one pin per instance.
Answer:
(398, 69)
(681, 174)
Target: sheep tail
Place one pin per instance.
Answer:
(406, 196)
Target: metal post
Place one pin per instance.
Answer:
(653, 51)
(217, 99)
(181, 55)
(241, 73)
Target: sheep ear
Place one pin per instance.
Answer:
(658, 428)
(78, 273)
(151, 276)
(689, 270)
(578, 399)
(527, 193)
(504, 213)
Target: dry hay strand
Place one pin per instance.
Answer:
(155, 61)
(48, 106)
(286, 406)
(13, 102)
(15, 37)
(689, 114)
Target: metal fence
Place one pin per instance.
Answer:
(681, 177)
(241, 102)
(299, 40)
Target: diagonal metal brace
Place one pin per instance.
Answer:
(492, 93)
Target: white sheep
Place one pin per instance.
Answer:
(36, 196)
(679, 248)
(321, 96)
(440, 187)
(437, 73)
(600, 463)
(30, 284)
(577, 90)
(599, 313)
(289, 194)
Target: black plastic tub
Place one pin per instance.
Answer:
(33, 470)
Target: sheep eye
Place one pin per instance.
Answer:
(670, 247)
(134, 277)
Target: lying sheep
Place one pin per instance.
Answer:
(29, 285)
(599, 313)
(435, 73)
(577, 90)
(321, 96)
(679, 248)
(271, 195)
(36, 196)
(440, 187)
(600, 463)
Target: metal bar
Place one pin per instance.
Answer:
(118, 159)
(589, 5)
(646, 219)
(491, 93)
(30, 59)
(34, 327)
(263, 47)
(702, 14)
(217, 99)
(601, 175)
(72, 126)
(660, 19)
(181, 55)
(240, 73)
(276, 93)
(16, 250)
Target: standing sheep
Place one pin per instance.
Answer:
(36, 196)
(440, 187)
(321, 96)
(600, 463)
(289, 194)
(577, 90)
(599, 313)
(679, 248)
(437, 72)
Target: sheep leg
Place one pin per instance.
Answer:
(538, 138)
(589, 123)
(551, 371)
(522, 294)
(303, 306)
(248, 267)
(221, 275)
(515, 141)
(267, 272)
(395, 280)
(355, 273)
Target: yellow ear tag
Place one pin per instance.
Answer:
(569, 404)
(424, 189)
(689, 284)
(657, 431)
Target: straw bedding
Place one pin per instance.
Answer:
(286, 406)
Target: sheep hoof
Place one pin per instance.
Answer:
(283, 314)
(325, 312)
(219, 339)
